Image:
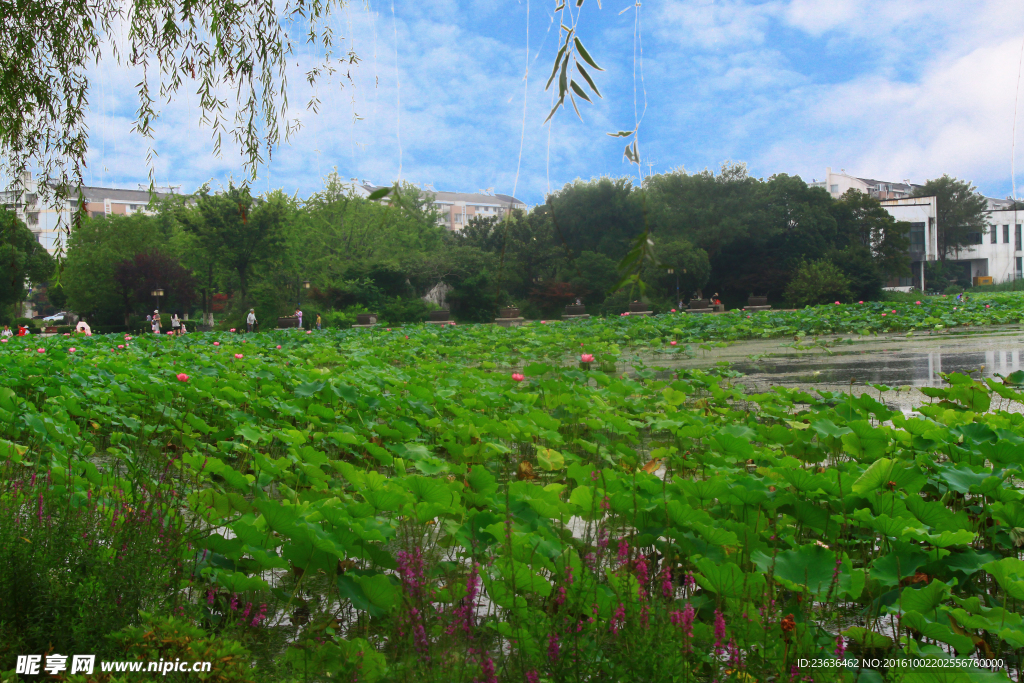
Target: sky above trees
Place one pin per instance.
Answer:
(894, 90)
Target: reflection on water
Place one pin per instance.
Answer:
(892, 367)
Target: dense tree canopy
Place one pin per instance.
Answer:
(22, 261)
(711, 232)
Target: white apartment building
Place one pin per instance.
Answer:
(45, 220)
(995, 253)
(457, 208)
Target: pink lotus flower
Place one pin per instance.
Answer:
(182, 377)
(238, 356)
(406, 336)
(127, 337)
(41, 350)
(672, 343)
(120, 346)
(232, 329)
(216, 343)
(309, 331)
(837, 303)
(986, 305)
(918, 303)
(673, 310)
(543, 322)
(518, 377)
(3, 340)
(389, 329)
(587, 358)
(894, 310)
(860, 302)
(884, 314)
(170, 332)
(67, 334)
(278, 346)
(71, 350)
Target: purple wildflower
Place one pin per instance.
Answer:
(553, 648)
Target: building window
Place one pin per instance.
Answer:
(1006, 234)
(1016, 238)
(1018, 266)
(834, 189)
(994, 234)
(974, 238)
(917, 237)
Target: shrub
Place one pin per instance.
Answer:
(77, 563)
(818, 282)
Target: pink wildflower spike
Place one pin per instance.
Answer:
(587, 357)
(840, 647)
(518, 376)
(182, 377)
(719, 628)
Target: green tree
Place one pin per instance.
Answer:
(690, 265)
(237, 230)
(95, 248)
(602, 215)
(818, 282)
(23, 261)
(862, 221)
(961, 212)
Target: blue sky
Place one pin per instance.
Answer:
(891, 90)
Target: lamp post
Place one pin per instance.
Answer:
(298, 302)
(157, 293)
(670, 272)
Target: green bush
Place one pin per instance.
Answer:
(74, 568)
(818, 282)
(404, 310)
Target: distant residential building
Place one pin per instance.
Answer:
(44, 219)
(457, 208)
(838, 183)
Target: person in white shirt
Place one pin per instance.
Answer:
(156, 322)
(6, 332)
(175, 324)
(298, 314)
(250, 320)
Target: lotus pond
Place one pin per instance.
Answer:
(475, 503)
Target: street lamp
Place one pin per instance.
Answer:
(670, 272)
(305, 285)
(157, 293)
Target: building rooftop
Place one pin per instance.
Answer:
(477, 198)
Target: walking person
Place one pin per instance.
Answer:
(298, 314)
(156, 322)
(175, 324)
(250, 320)
(318, 321)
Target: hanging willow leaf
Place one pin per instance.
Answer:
(590, 81)
(579, 91)
(586, 55)
(380, 194)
